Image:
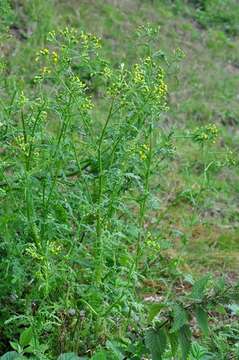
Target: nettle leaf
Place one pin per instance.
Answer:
(156, 342)
(202, 319)
(199, 288)
(69, 356)
(26, 337)
(113, 346)
(180, 317)
(154, 310)
(185, 340)
(173, 339)
(12, 355)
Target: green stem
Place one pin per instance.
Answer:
(142, 210)
(100, 192)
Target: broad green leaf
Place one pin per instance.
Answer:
(101, 355)
(202, 319)
(11, 355)
(180, 318)
(156, 342)
(69, 356)
(26, 337)
(154, 310)
(199, 287)
(185, 341)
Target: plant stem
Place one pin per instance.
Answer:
(100, 193)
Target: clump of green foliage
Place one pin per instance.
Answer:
(219, 13)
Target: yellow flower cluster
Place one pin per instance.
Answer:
(51, 35)
(87, 38)
(87, 104)
(231, 158)
(55, 57)
(143, 152)
(21, 143)
(107, 72)
(32, 251)
(45, 70)
(70, 34)
(77, 81)
(205, 133)
(148, 61)
(160, 90)
(138, 74)
(55, 248)
(212, 128)
(46, 53)
(153, 244)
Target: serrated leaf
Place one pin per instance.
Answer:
(180, 318)
(202, 319)
(185, 341)
(156, 342)
(173, 339)
(111, 345)
(154, 310)
(26, 337)
(199, 287)
(11, 355)
(68, 356)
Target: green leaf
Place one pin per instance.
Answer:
(199, 287)
(202, 319)
(68, 356)
(113, 346)
(16, 346)
(154, 310)
(180, 318)
(156, 342)
(185, 341)
(11, 355)
(100, 355)
(26, 337)
(173, 339)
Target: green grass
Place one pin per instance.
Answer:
(194, 213)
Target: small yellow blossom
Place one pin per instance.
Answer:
(138, 74)
(44, 51)
(55, 57)
(45, 70)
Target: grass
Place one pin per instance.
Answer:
(194, 197)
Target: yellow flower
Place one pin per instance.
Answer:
(55, 57)
(138, 74)
(44, 51)
(45, 70)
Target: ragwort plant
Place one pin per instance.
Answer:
(74, 195)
